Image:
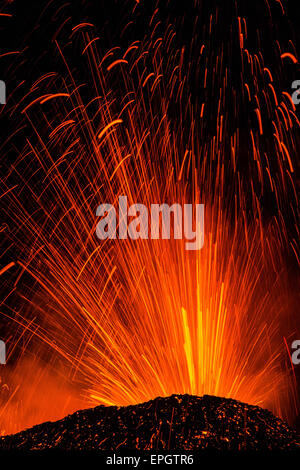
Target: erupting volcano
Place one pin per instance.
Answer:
(164, 104)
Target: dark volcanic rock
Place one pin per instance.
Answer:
(179, 422)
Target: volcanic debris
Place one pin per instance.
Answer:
(178, 422)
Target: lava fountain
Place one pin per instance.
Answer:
(121, 321)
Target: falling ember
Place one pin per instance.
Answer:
(120, 322)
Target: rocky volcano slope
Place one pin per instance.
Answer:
(178, 422)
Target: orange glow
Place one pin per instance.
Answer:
(121, 321)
